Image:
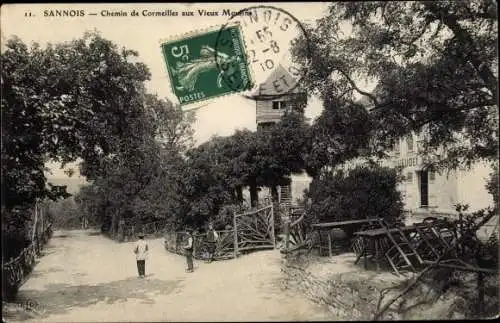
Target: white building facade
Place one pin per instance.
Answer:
(427, 191)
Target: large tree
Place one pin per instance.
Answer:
(147, 180)
(435, 65)
(79, 99)
(341, 133)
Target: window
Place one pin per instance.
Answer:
(420, 146)
(279, 105)
(409, 143)
(409, 177)
(397, 148)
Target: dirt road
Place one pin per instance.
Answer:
(85, 277)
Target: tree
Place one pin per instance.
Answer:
(173, 125)
(435, 65)
(341, 132)
(145, 181)
(80, 99)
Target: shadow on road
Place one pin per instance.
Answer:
(43, 273)
(60, 298)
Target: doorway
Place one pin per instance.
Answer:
(424, 188)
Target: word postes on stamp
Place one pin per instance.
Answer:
(270, 35)
(198, 72)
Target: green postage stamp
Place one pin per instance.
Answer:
(207, 65)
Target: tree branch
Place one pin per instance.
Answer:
(451, 21)
(355, 87)
(419, 35)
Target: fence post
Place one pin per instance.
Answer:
(272, 227)
(235, 233)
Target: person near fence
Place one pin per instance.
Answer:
(212, 238)
(188, 249)
(141, 253)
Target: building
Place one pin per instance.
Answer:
(271, 103)
(426, 191)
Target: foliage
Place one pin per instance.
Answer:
(85, 99)
(65, 213)
(78, 99)
(173, 125)
(365, 191)
(340, 133)
(492, 186)
(434, 64)
(146, 181)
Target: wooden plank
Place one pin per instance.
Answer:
(254, 241)
(235, 228)
(383, 231)
(254, 211)
(343, 223)
(272, 227)
(329, 243)
(403, 254)
(256, 247)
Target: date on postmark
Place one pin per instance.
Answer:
(199, 69)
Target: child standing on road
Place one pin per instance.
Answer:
(141, 253)
(189, 251)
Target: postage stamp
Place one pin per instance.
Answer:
(198, 72)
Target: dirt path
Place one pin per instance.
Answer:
(86, 277)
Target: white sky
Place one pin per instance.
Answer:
(220, 117)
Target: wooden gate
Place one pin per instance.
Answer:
(254, 230)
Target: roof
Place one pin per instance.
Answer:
(272, 88)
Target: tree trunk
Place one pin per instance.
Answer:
(275, 200)
(254, 195)
(239, 193)
(274, 194)
(114, 224)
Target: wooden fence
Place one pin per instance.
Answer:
(174, 242)
(15, 272)
(252, 230)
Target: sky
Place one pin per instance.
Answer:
(144, 34)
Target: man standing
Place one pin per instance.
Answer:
(212, 238)
(189, 251)
(141, 253)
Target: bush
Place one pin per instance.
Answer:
(365, 191)
(15, 231)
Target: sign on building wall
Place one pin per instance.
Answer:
(408, 162)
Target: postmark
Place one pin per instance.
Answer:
(198, 72)
(269, 34)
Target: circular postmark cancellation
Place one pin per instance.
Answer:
(268, 35)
